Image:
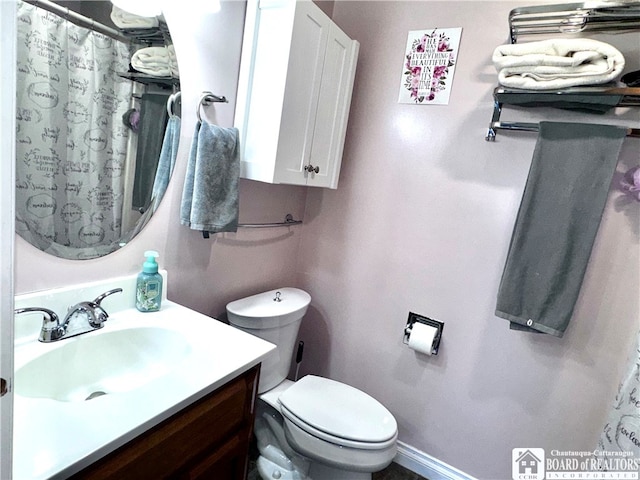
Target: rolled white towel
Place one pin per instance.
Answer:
(557, 63)
(157, 61)
(123, 19)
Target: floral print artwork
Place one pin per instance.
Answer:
(429, 63)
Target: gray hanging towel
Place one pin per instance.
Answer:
(153, 122)
(210, 195)
(556, 225)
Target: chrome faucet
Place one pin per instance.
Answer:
(81, 318)
(86, 316)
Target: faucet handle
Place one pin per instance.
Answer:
(99, 314)
(96, 315)
(51, 328)
(99, 298)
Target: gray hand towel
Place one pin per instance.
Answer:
(210, 195)
(556, 225)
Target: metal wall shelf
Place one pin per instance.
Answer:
(596, 16)
(590, 99)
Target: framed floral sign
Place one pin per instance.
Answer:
(428, 66)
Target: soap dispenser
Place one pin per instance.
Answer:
(149, 285)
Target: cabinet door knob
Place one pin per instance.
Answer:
(310, 168)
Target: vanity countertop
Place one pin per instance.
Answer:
(53, 439)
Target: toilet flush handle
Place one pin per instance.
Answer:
(299, 358)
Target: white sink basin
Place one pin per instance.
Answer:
(104, 362)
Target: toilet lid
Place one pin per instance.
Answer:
(339, 410)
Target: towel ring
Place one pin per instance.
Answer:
(207, 98)
(173, 98)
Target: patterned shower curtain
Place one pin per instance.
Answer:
(621, 434)
(71, 140)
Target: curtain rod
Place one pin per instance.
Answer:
(78, 19)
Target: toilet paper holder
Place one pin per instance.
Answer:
(437, 324)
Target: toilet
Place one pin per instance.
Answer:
(314, 428)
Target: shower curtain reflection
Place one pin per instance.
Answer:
(71, 139)
(621, 433)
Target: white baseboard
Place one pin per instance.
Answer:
(427, 466)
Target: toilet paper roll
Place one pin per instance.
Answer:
(421, 337)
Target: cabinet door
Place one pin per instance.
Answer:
(229, 462)
(261, 85)
(332, 114)
(207, 440)
(304, 77)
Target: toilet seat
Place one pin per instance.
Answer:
(337, 455)
(338, 413)
(341, 441)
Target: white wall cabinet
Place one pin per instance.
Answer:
(294, 93)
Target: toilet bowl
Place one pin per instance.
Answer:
(314, 428)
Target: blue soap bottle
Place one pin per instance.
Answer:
(149, 285)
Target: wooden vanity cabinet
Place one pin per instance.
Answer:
(208, 440)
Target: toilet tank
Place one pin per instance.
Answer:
(274, 316)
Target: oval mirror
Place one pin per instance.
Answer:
(97, 124)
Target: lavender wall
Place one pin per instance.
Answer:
(421, 222)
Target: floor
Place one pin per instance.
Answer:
(392, 472)
(396, 472)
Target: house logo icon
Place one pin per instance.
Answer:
(528, 463)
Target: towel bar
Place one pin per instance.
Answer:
(288, 222)
(533, 127)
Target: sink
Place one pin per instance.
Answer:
(78, 399)
(104, 362)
